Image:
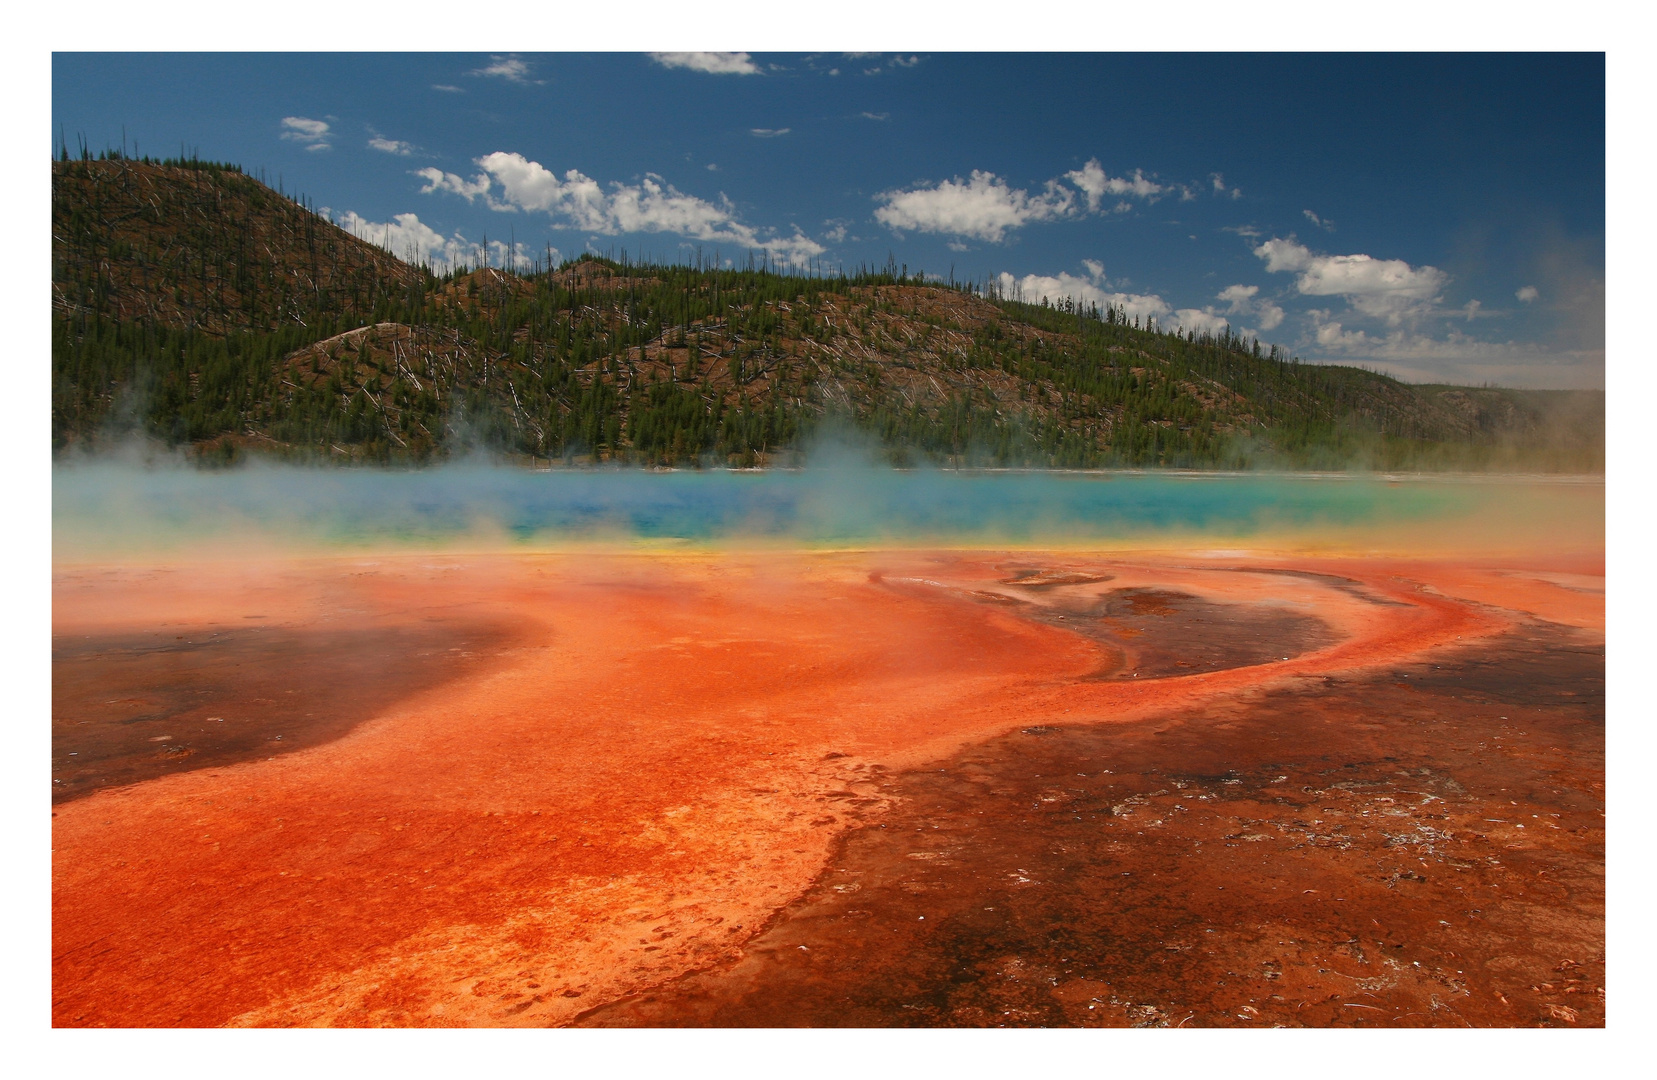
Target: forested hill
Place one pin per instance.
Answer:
(194, 305)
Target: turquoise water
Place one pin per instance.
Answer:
(116, 503)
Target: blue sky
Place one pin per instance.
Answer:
(1441, 217)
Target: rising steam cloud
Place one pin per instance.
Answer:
(841, 500)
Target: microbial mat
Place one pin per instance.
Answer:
(840, 747)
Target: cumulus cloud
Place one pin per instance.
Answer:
(1268, 315)
(1200, 320)
(1461, 358)
(391, 146)
(312, 134)
(710, 63)
(405, 235)
(413, 241)
(438, 180)
(983, 207)
(1528, 294)
(1088, 291)
(1095, 183)
(1380, 288)
(1281, 255)
(768, 133)
(1388, 289)
(986, 207)
(1331, 335)
(509, 68)
(1244, 300)
(1094, 289)
(574, 200)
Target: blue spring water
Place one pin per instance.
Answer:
(823, 506)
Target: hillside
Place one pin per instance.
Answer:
(194, 305)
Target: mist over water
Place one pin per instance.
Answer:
(114, 506)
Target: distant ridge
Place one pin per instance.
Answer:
(194, 305)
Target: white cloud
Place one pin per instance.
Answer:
(1331, 335)
(1088, 291)
(983, 207)
(1204, 320)
(519, 257)
(314, 134)
(301, 128)
(509, 68)
(391, 146)
(1094, 289)
(447, 89)
(876, 116)
(1243, 300)
(438, 180)
(1460, 358)
(768, 133)
(578, 201)
(413, 241)
(1095, 183)
(797, 250)
(1387, 289)
(711, 63)
(1322, 223)
(405, 235)
(1281, 255)
(1380, 288)
(1528, 294)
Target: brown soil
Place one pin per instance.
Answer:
(669, 750)
(202, 247)
(132, 707)
(1162, 633)
(1423, 846)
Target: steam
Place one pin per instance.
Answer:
(842, 499)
